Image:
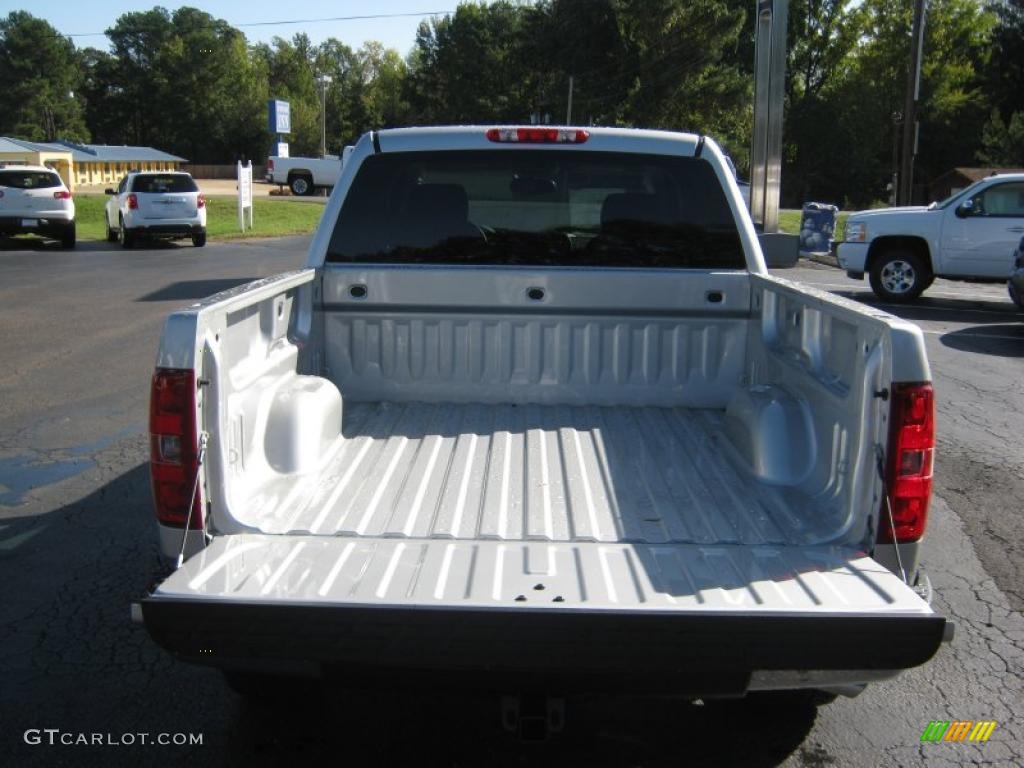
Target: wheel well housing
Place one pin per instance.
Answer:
(916, 245)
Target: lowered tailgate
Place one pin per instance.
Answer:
(682, 618)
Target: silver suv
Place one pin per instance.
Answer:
(34, 200)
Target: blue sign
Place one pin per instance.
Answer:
(279, 116)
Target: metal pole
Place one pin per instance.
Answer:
(568, 110)
(769, 98)
(777, 96)
(324, 80)
(910, 108)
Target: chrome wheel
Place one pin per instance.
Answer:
(899, 277)
(301, 185)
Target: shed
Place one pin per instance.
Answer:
(954, 180)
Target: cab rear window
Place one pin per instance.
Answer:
(165, 183)
(537, 207)
(29, 179)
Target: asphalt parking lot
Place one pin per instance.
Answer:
(76, 546)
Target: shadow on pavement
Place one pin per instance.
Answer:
(937, 310)
(40, 244)
(403, 730)
(194, 289)
(999, 340)
(70, 658)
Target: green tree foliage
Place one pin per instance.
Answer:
(1005, 73)
(678, 72)
(383, 77)
(822, 35)
(464, 67)
(189, 83)
(1002, 144)
(581, 39)
(1002, 139)
(653, 63)
(185, 82)
(39, 72)
(955, 94)
(854, 122)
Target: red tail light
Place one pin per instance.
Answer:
(538, 135)
(61, 194)
(200, 201)
(133, 202)
(173, 445)
(270, 164)
(909, 472)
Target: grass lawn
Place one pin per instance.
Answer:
(271, 218)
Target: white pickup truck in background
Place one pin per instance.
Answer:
(306, 175)
(535, 417)
(969, 236)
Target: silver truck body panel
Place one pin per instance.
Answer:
(587, 575)
(467, 460)
(533, 472)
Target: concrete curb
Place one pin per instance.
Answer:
(822, 257)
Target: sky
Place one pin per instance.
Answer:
(90, 16)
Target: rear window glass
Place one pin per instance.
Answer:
(537, 207)
(166, 183)
(29, 179)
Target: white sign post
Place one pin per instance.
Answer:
(244, 173)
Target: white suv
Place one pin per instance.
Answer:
(158, 204)
(34, 200)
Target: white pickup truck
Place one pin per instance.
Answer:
(970, 236)
(305, 175)
(535, 416)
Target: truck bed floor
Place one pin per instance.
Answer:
(521, 473)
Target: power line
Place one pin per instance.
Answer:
(302, 21)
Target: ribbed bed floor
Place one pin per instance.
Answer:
(555, 473)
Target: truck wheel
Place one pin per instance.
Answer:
(67, 237)
(111, 234)
(899, 275)
(199, 239)
(301, 185)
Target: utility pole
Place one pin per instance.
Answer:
(910, 124)
(324, 80)
(894, 184)
(568, 110)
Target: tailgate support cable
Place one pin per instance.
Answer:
(200, 456)
(888, 511)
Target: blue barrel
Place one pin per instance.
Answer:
(817, 225)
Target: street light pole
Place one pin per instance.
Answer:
(568, 109)
(324, 80)
(906, 180)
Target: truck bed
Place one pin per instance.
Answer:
(551, 473)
